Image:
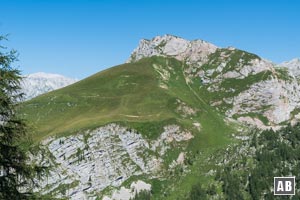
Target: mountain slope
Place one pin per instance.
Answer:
(145, 91)
(248, 88)
(239, 84)
(163, 119)
(40, 83)
(147, 97)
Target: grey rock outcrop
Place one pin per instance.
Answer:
(293, 66)
(190, 51)
(88, 163)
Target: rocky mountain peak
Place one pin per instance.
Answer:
(293, 66)
(177, 47)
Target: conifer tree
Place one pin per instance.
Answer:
(16, 173)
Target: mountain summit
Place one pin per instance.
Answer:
(169, 45)
(240, 84)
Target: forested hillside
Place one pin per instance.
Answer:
(247, 170)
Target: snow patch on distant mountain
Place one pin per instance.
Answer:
(40, 83)
(293, 66)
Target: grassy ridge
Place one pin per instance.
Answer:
(127, 92)
(142, 96)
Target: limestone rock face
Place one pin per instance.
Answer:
(262, 90)
(274, 99)
(168, 45)
(92, 161)
(128, 193)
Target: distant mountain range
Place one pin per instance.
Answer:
(40, 83)
(293, 66)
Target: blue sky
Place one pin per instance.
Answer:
(77, 38)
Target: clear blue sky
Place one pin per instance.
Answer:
(77, 38)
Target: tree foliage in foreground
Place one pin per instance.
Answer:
(16, 173)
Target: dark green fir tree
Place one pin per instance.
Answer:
(16, 173)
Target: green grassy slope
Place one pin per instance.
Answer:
(141, 95)
(124, 93)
